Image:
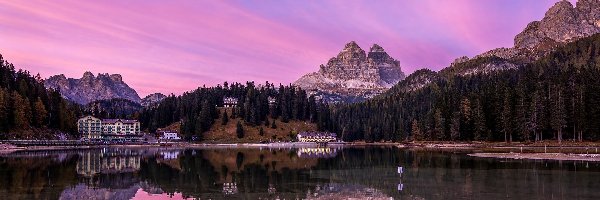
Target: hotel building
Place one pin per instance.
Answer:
(92, 128)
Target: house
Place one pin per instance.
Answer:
(230, 102)
(272, 101)
(169, 135)
(318, 137)
(92, 128)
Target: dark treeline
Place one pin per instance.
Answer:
(25, 105)
(556, 97)
(113, 108)
(197, 111)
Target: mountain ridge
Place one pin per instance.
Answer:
(91, 88)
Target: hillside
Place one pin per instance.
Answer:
(555, 97)
(219, 133)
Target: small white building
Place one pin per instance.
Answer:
(317, 137)
(230, 102)
(169, 135)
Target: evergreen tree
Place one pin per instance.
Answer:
(506, 118)
(40, 113)
(21, 111)
(481, 131)
(273, 125)
(4, 109)
(558, 115)
(239, 130)
(225, 118)
(438, 128)
(261, 132)
(455, 126)
(416, 131)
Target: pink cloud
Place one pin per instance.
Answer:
(176, 47)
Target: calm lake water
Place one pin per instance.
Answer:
(313, 173)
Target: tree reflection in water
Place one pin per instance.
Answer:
(248, 173)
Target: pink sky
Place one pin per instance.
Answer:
(177, 46)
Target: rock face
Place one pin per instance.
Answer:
(353, 75)
(90, 88)
(152, 99)
(561, 24)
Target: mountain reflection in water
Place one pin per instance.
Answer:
(305, 173)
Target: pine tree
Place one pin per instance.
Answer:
(261, 132)
(239, 130)
(455, 126)
(521, 116)
(535, 111)
(4, 103)
(40, 113)
(505, 118)
(273, 125)
(438, 128)
(558, 115)
(416, 131)
(225, 118)
(21, 111)
(481, 131)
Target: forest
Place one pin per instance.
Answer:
(28, 109)
(553, 98)
(197, 110)
(556, 97)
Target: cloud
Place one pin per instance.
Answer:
(176, 47)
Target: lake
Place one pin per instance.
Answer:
(303, 173)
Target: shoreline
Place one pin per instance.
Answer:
(468, 147)
(540, 156)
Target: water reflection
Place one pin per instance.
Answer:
(317, 152)
(107, 161)
(306, 173)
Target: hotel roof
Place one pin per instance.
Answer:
(124, 121)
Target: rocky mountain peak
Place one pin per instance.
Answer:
(376, 48)
(152, 99)
(116, 77)
(87, 76)
(92, 88)
(353, 70)
(351, 46)
(563, 7)
(562, 23)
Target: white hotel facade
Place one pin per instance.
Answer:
(92, 128)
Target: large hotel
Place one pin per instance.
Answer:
(92, 128)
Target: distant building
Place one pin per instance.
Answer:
(319, 137)
(272, 101)
(169, 135)
(230, 102)
(92, 128)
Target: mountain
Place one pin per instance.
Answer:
(90, 88)
(561, 24)
(152, 99)
(544, 87)
(353, 75)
